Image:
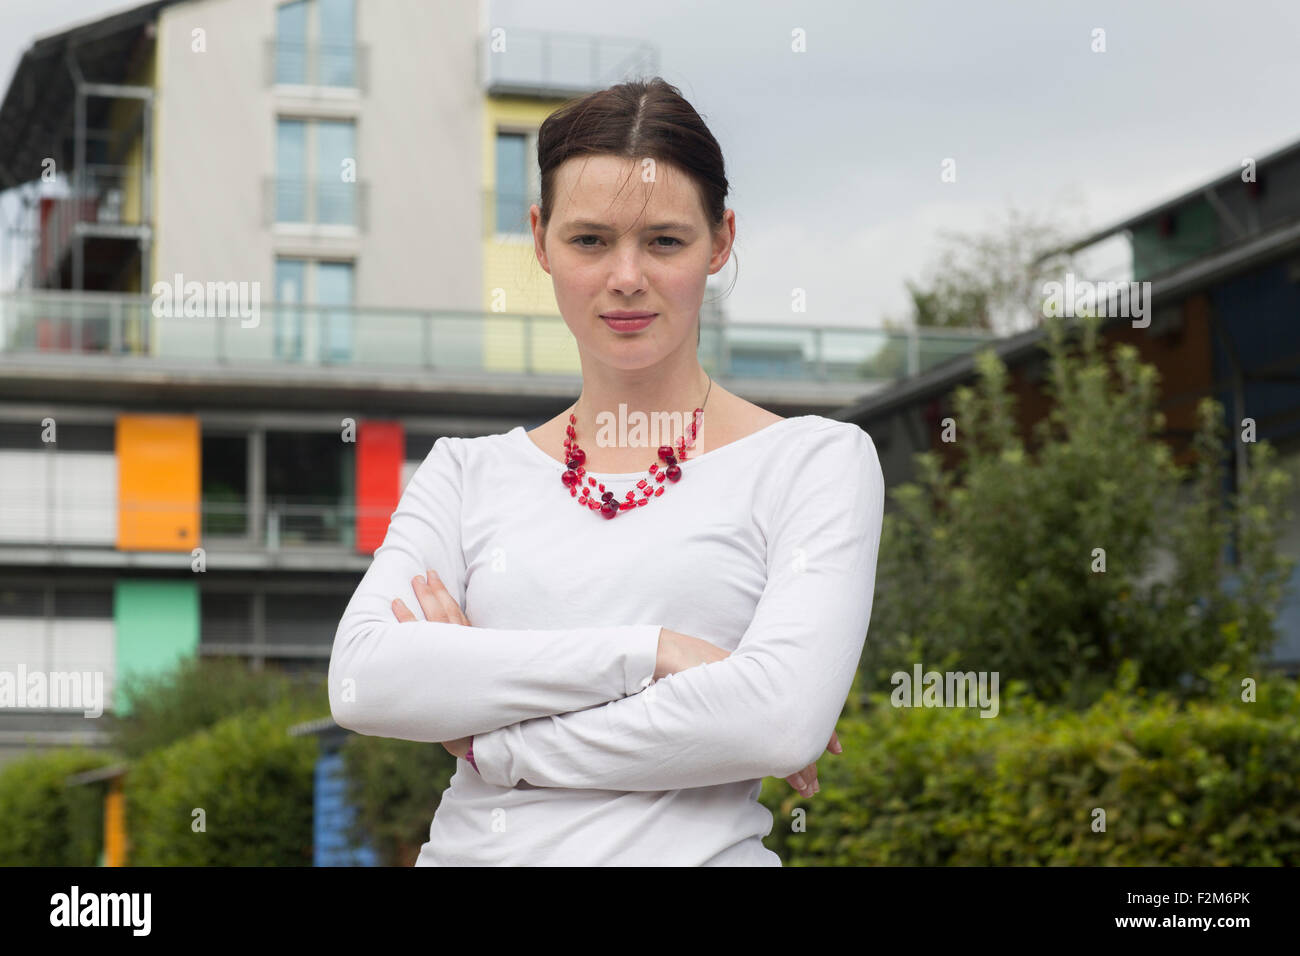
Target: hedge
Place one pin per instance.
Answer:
(1196, 784)
(252, 781)
(46, 823)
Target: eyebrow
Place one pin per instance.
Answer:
(594, 226)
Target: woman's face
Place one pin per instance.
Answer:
(646, 249)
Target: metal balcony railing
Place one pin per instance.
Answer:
(87, 518)
(322, 201)
(343, 66)
(516, 62)
(105, 197)
(236, 328)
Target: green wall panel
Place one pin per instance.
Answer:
(157, 626)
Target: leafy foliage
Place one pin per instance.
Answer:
(994, 567)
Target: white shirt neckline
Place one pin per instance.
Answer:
(523, 437)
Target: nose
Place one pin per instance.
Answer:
(626, 275)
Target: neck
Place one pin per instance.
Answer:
(670, 386)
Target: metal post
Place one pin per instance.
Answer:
(146, 194)
(79, 161)
(256, 484)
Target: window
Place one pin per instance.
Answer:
(517, 180)
(315, 43)
(311, 159)
(317, 285)
(224, 459)
(310, 484)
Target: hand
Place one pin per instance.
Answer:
(805, 780)
(678, 651)
(439, 606)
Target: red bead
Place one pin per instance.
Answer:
(654, 468)
(578, 457)
(573, 418)
(570, 432)
(659, 491)
(626, 505)
(630, 495)
(641, 483)
(591, 481)
(660, 476)
(664, 451)
(569, 477)
(573, 492)
(642, 501)
(674, 473)
(609, 509)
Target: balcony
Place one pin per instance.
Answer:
(312, 68)
(104, 205)
(275, 337)
(304, 202)
(548, 65)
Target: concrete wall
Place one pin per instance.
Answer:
(418, 134)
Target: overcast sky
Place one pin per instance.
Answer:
(834, 154)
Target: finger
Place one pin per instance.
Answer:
(448, 603)
(402, 612)
(429, 602)
(809, 774)
(801, 782)
(834, 746)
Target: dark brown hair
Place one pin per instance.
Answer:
(634, 120)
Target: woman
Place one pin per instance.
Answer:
(658, 622)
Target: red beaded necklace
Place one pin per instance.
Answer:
(651, 487)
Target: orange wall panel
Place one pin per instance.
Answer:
(158, 482)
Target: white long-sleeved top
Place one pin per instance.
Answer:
(766, 547)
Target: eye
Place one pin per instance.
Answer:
(577, 240)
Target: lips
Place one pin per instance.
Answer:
(621, 321)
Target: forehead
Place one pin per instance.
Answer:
(611, 188)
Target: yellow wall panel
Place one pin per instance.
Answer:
(158, 482)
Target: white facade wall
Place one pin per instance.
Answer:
(417, 142)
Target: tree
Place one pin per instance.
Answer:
(991, 280)
(998, 565)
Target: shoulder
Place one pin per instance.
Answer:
(830, 438)
(825, 455)
(457, 454)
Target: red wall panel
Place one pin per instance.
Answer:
(381, 449)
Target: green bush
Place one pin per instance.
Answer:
(199, 692)
(995, 566)
(394, 786)
(42, 821)
(1192, 783)
(252, 781)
